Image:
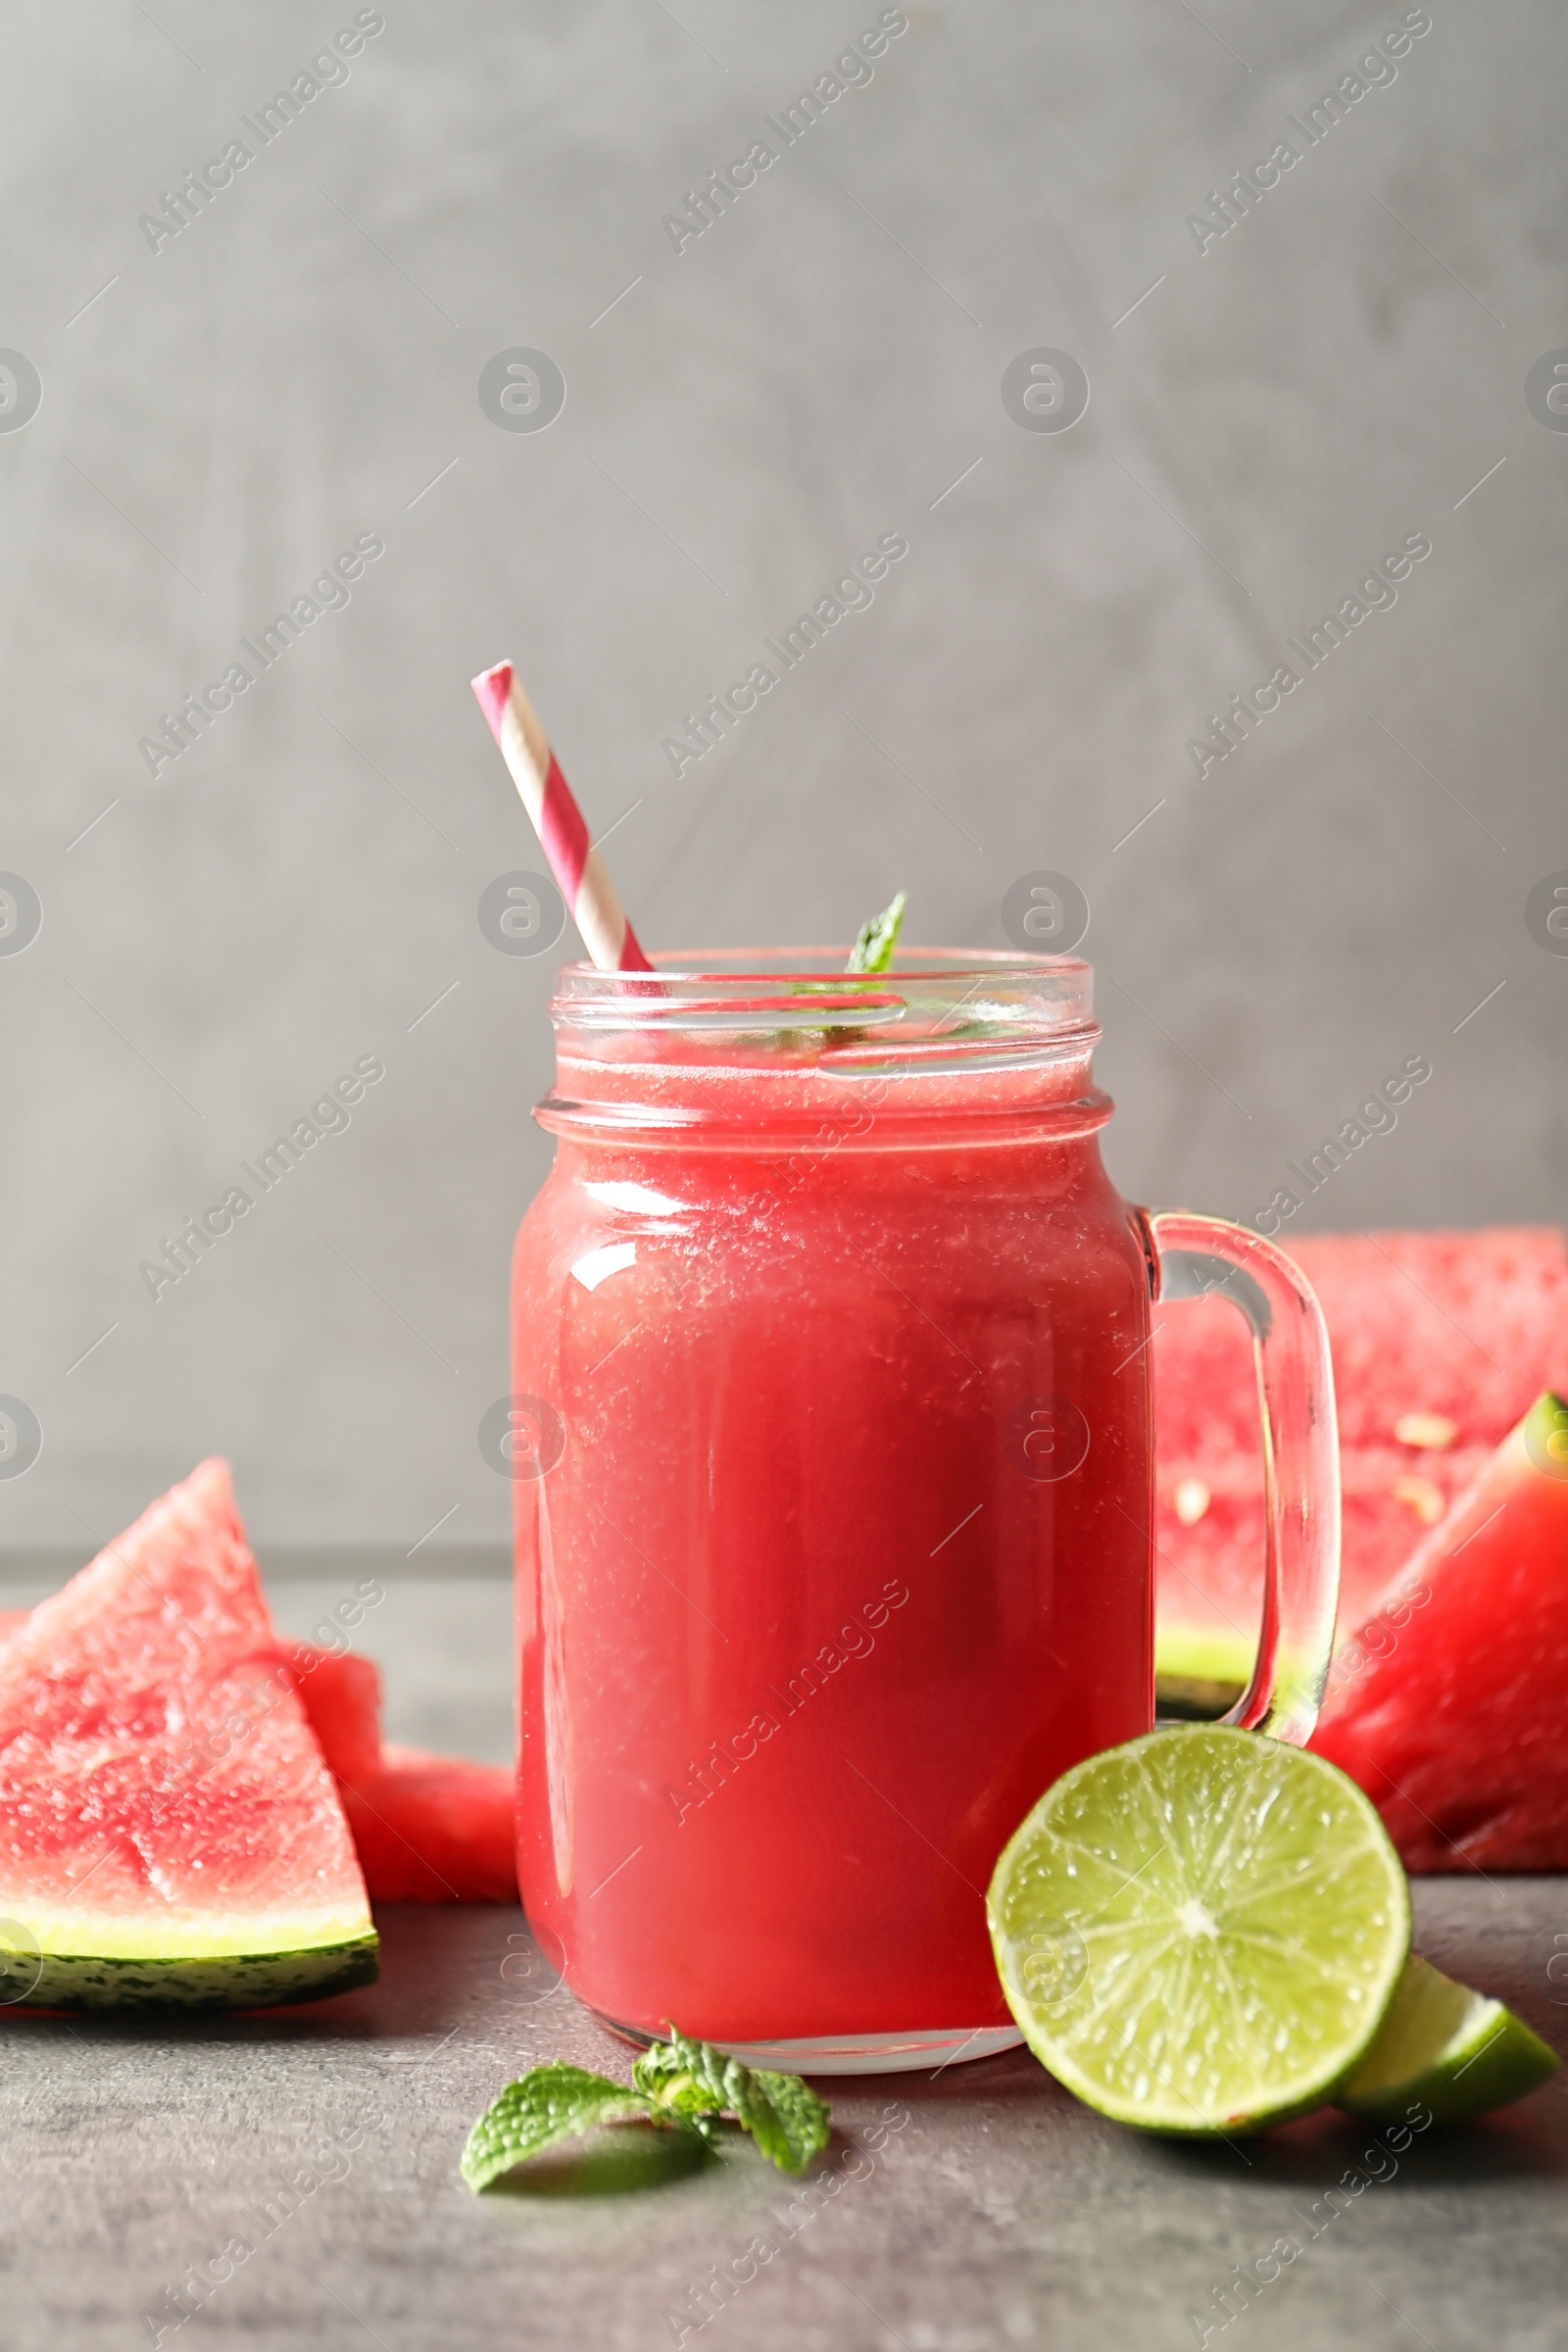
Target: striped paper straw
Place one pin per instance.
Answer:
(577, 867)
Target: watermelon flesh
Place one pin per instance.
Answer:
(1463, 1330)
(427, 1829)
(168, 1832)
(435, 1828)
(1448, 1704)
(341, 1693)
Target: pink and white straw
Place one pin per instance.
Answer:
(577, 867)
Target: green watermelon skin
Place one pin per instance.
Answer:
(169, 1831)
(251, 1981)
(1448, 1707)
(1469, 1326)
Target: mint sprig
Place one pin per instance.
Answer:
(680, 2085)
(872, 952)
(789, 2122)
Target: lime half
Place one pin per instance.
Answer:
(1449, 2049)
(1200, 1931)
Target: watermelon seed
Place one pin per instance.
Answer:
(1431, 1432)
(1423, 1498)
(1190, 1500)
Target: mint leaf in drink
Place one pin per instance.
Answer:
(545, 2106)
(683, 2086)
(789, 2122)
(872, 952)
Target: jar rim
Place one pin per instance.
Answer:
(964, 994)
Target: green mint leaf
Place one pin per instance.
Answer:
(872, 952)
(549, 2104)
(692, 2076)
(789, 2122)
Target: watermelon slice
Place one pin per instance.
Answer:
(168, 1832)
(1448, 1704)
(435, 1828)
(341, 1693)
(1440, 1341)
(427, 1829)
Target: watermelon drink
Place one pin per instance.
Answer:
(831, 1439)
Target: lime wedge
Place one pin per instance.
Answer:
(1451, 2049)
(1200, 1931)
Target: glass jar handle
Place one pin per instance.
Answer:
(1191, 1257)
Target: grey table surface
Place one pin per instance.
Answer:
(977, 2208)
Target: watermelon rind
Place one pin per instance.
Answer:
(221, 1981)
(1205, 1654)
(1202, 1676)
(1545, 1433)
(1193, 1698)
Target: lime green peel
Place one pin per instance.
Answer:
(1458, 2052)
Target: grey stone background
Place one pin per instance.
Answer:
(300, 366)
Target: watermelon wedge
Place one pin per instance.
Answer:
(427, 1829)
(1448, 1707)
(341, 1693)
(1440, 1340)
(168, 1832)
(435, 1828)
